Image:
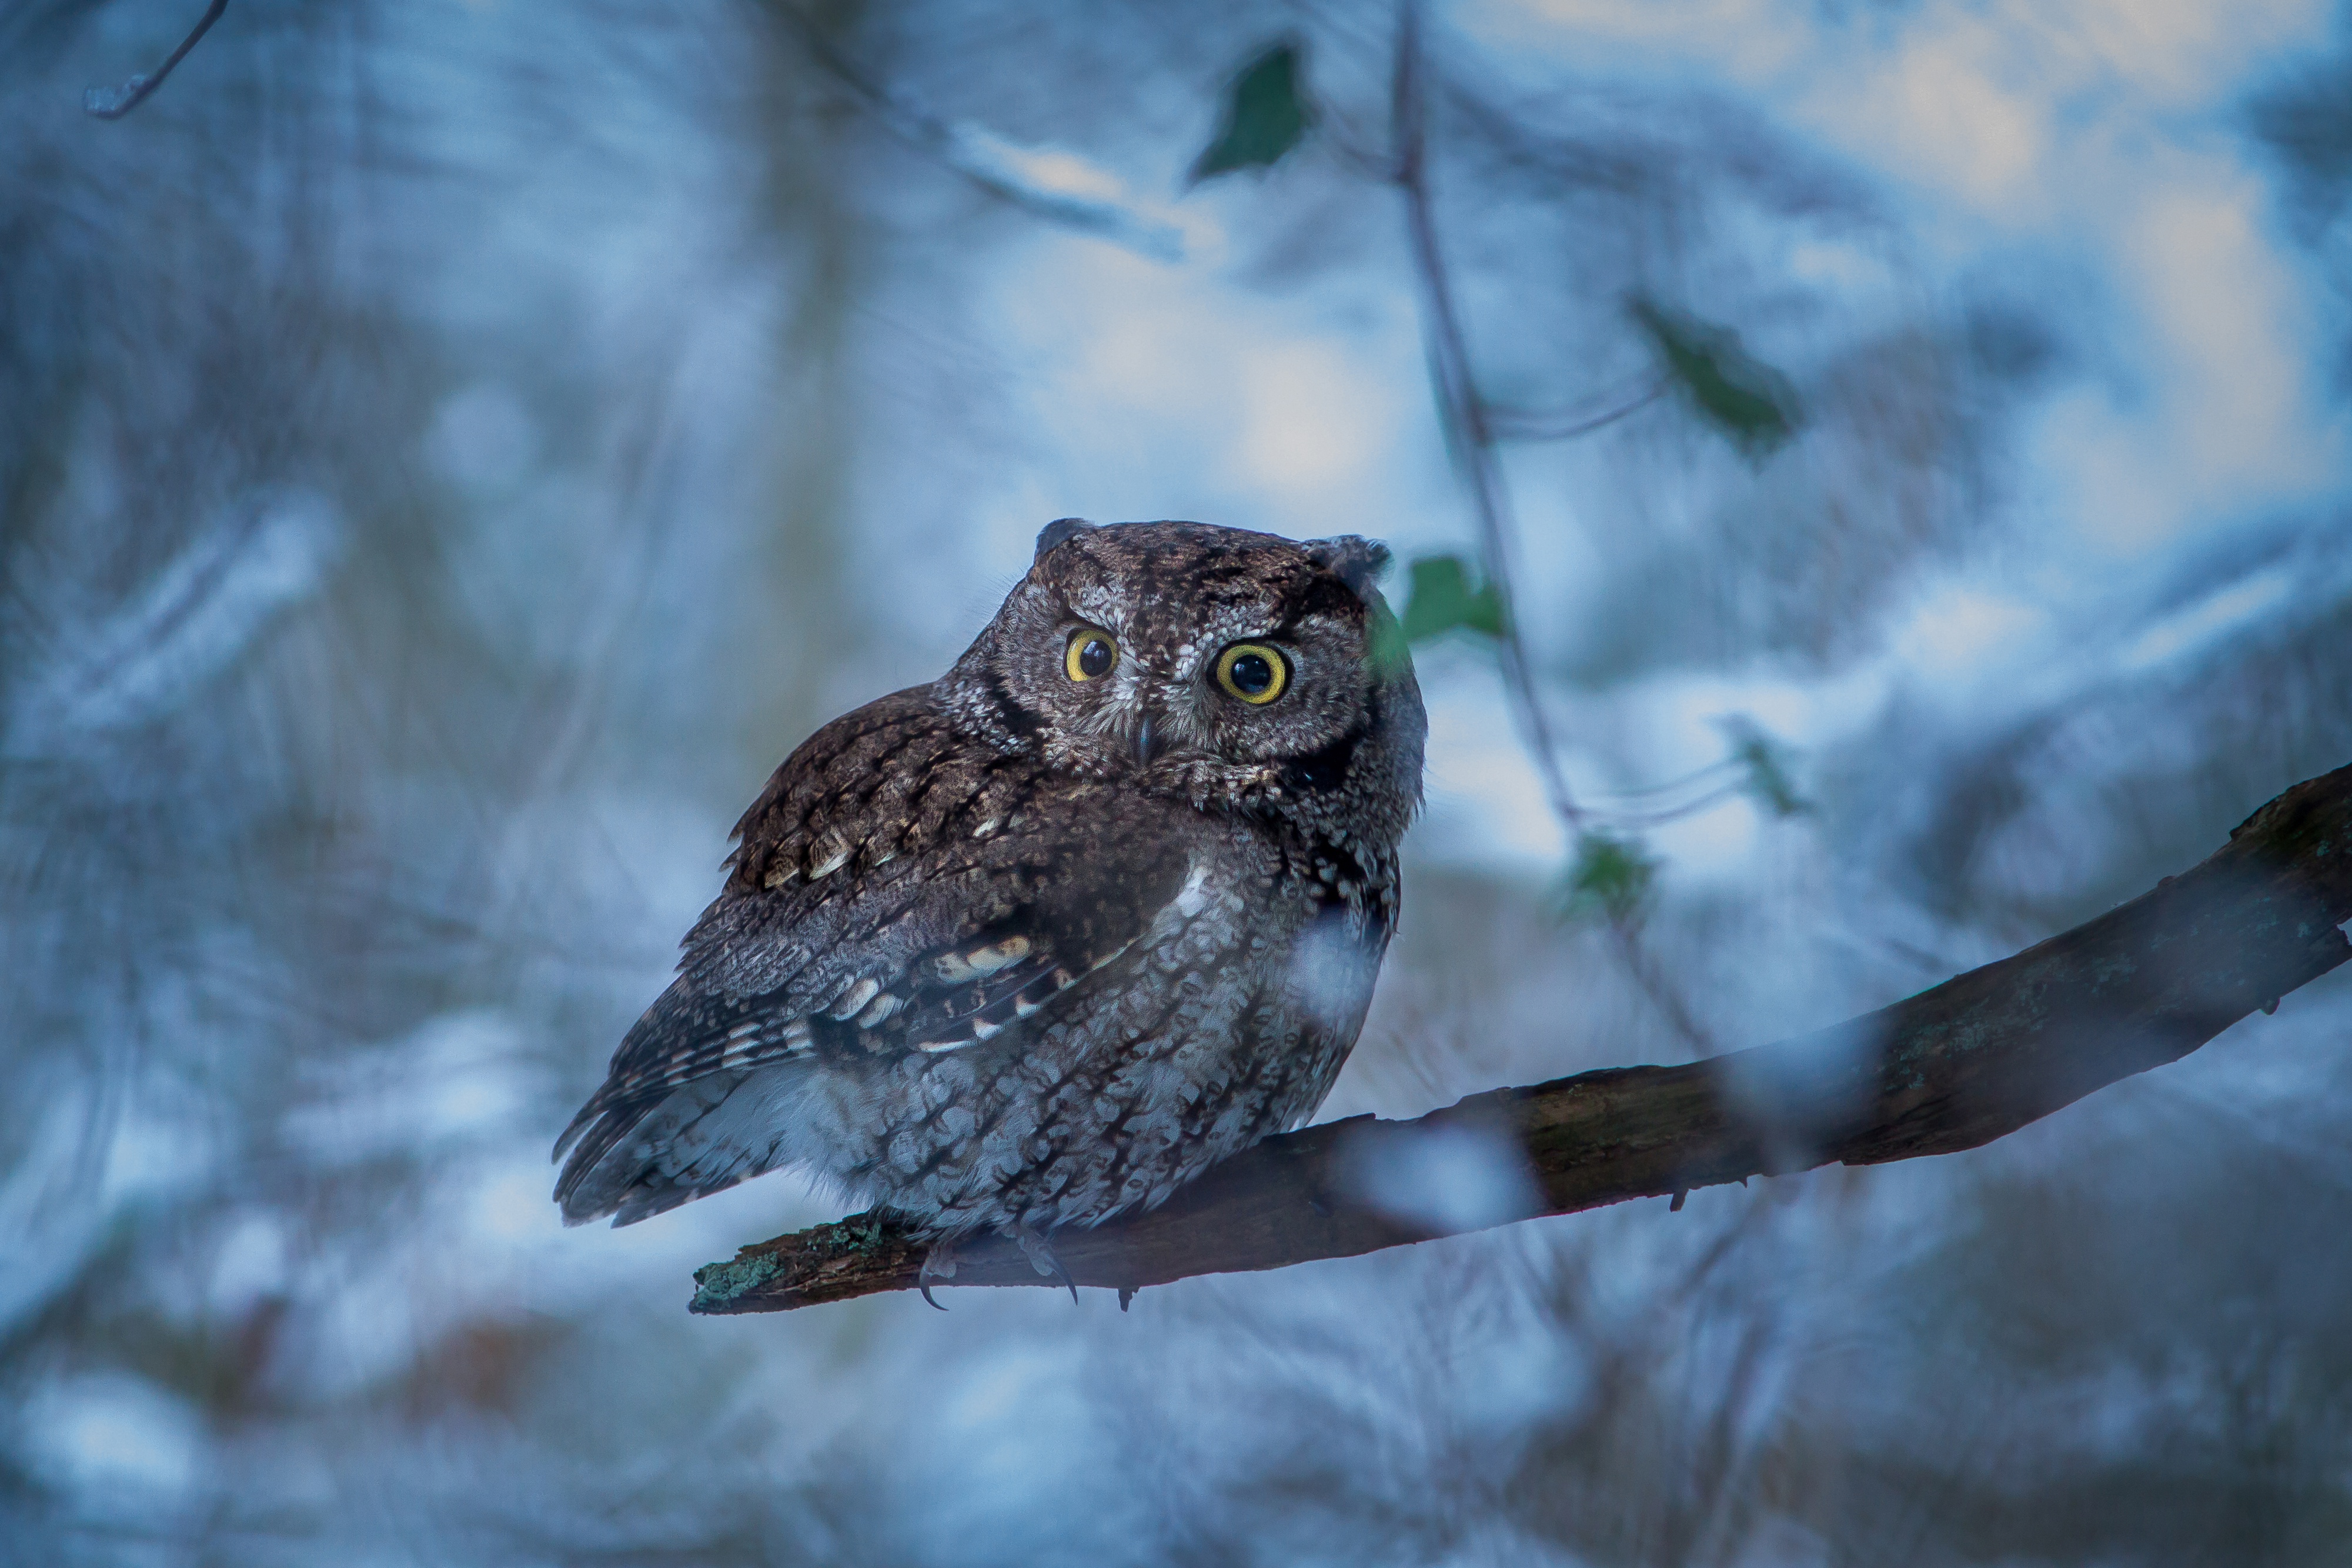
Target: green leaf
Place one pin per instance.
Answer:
(1442, 598)
(1610, 878)
(1748, 401)
(1388, 652)
(1265, 115)
(1767, 762)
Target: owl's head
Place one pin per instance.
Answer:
(1229, 666)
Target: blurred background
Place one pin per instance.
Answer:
(450, 452)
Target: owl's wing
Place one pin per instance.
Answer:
(920, 922)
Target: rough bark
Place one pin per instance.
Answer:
(1975, 1058)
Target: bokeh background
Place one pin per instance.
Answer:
(449, 452)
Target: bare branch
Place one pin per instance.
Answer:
(1950, 1068)
(1461, 408)
(114, 102)
(1470, 431)
(1510, 424)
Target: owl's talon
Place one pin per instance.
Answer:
(938, 1263)
(1041, 1257)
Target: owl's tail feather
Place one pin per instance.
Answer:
(646, 1156)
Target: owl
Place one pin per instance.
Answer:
(1040, 941)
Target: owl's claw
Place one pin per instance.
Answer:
(1041, 1257)
(938, 1263)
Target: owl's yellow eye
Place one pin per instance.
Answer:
(1090, 655)
(1254, 673)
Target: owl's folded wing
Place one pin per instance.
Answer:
(931, 951)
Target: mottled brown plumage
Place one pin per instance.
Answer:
(1043, 940)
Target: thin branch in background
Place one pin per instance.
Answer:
(1471, 433)
(1045, 185)
(114, 102)
(1459, 405)
(1507, 425)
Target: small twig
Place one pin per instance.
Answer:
(1512, 425)
(114, 102)
(1471, 431)
(1459, 405)
(1953, 1067)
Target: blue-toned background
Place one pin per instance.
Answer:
(450, 452)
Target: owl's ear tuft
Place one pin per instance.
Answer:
(1355, 561)
(1060, 531)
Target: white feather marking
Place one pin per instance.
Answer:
(1194, 897)
(883, 1007)
(854, 999)
(984, 1030)
(934, 1047)
(955, 968)
(987, 960)
(837, 856)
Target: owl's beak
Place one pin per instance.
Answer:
(1149, 741)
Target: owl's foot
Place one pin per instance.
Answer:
(938, 1263)
(1041, 1257)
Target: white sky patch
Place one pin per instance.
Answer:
(1960, 630)
(1673, 724)
(249, 1264)
(1947, 108)
(2234, 327)
(455, 1080)
(1313, 415)
(2207, 621)
(2175, 50)
(1153, 392)
(1748, 40)
(1485, 802)
(1711, 846)
(2097, 471)
(116, 1434)
(1058, 179)
(2216, 412)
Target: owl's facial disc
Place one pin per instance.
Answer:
(1212, 661)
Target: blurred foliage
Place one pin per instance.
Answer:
(1749, 402)
(1764, 764)
(1263, 114)
(1442, 595)
(1610, 878)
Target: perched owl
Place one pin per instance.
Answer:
(1043, 940)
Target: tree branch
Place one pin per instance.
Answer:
(1978, 1056)
(114, 102)
(1461, 410)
